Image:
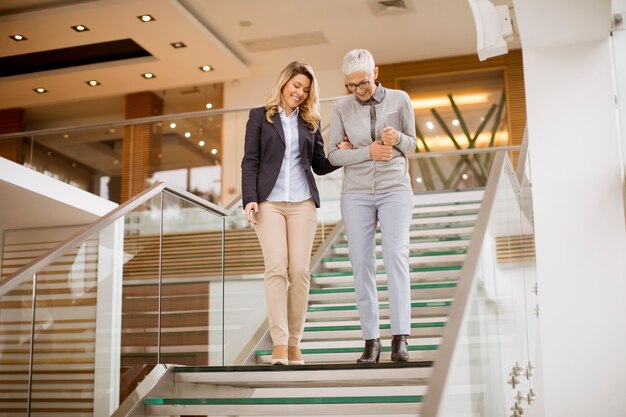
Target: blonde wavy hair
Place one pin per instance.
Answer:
(309, 109)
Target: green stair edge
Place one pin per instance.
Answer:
(385, 306)
(286, 401)
(418, 286)
(412, 270)
(411, 255)
(313, 351)
(420, 325)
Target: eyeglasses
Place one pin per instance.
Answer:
(362, 86)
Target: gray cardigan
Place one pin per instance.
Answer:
(361, 173)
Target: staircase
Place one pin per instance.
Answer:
(332, 383)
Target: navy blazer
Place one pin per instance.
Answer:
(263, 156)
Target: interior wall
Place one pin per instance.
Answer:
(578, 206)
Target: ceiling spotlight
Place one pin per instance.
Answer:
(201, 143)
(18, 37)
(177, 45)
(172, 125)
(213, 151)
(146, 18)
(209, 106)
(418, 179)
(187, 134)
(40, 90)
(455, 122)
(148, 75)
(465, 176)
(430, 125)
(206, 68)
(93, 83)
(80, 28)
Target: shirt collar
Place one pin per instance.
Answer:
(295, 112)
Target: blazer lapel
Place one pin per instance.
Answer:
(278, 126)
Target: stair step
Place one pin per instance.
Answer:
(418, 258)
(310, 375)
(419, 291)
(416, 246)
(448, 207)
(399, 404)
(351, 353)
(451, 214)
(320, 312)
(330, 331)
(421, 274)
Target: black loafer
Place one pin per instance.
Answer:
(371, 353)
(399, 349)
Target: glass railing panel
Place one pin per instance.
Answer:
(432, 172)
(15, 336)
(490, 363)
(140, 294)
(76, 344)
(118, 160)
(244, 294)
(191, 309)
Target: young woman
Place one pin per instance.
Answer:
(283, 143)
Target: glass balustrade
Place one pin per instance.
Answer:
(493, 359)
(145, 289)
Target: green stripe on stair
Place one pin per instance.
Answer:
(359, 349)
(381, 306)
(384, 288)
(285, 400)
(413, 270)
(382, 327)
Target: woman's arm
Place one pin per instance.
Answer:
(320, 164)
(407, 138)
(251, 157)
(343, 157)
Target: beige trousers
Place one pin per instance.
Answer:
(286, 232)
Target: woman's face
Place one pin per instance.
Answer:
(362, 84)
(295, 92)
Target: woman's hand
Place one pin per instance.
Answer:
(344, 144)
(389, 136)
(251, 210)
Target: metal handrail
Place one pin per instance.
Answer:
(437, 154)
(466, 284)
(59, 250)
(139, 120)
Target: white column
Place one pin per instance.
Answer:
(578, 204)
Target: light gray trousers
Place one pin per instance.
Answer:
(361, 213)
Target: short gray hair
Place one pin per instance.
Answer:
(357, 60)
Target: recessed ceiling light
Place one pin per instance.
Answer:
(93, 83)
(209, 106)
(455, 122)
(80, 28)
(148, 75)
(213, 151)
(40, 90)
(430, 125)
(18, 37)
(201, 143)
(177, 45)
(146, 18)
(187, 134)
(172, 125)
(206, 68)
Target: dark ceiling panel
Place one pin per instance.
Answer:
(71, 57)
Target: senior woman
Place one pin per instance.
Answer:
(380, 124)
